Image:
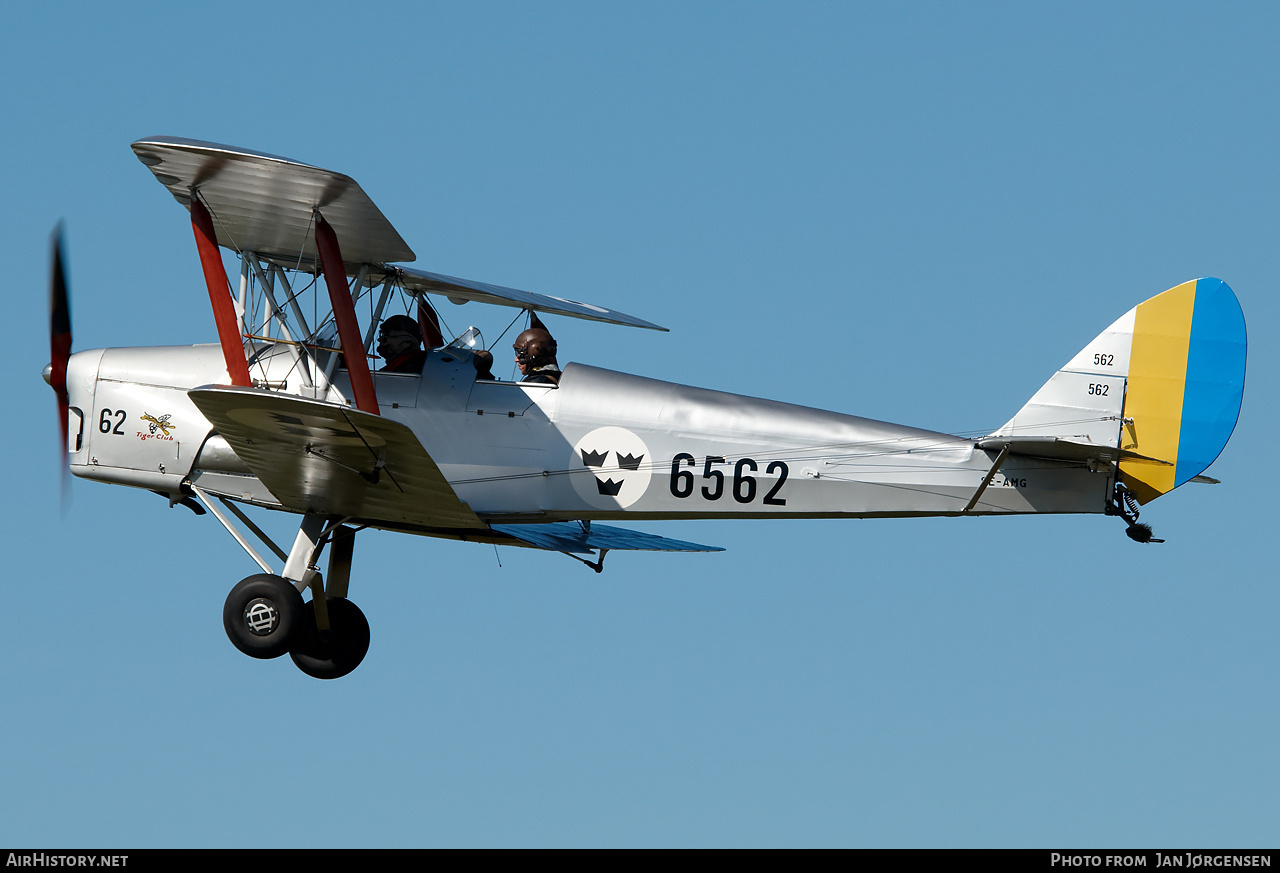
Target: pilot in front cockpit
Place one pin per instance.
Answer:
(400, 345)
(400, 341)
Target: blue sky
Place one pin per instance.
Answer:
(912, 212)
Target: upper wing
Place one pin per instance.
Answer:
(462, 290)
(325, 458)
(265, 203)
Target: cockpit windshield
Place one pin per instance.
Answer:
(470, 340)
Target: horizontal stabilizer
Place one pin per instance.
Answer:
(568, 536)
(1061, 449)
(318, 457)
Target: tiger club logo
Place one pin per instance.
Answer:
(158, 424)
(610, 468)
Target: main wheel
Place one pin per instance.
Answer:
(337, 651)
(263, 615)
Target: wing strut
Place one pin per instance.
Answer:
(215, 277)
(344, 313)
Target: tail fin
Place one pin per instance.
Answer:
(1161, 386)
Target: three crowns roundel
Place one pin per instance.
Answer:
(610, 467)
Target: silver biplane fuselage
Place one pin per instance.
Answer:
(601, 445)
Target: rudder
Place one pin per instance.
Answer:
(1185, 384)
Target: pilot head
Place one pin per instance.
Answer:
(398, 335)
(534, 348)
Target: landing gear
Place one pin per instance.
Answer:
(263, 615)
(332, 653)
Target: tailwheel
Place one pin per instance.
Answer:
(332, 653)
(263, 616)
(1125, 504)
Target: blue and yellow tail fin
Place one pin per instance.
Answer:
(1157, 392)
(1185, 384)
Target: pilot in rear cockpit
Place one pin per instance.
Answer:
(536, 354)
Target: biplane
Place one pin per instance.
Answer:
(286, 413)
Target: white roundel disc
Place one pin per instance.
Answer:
(610, 468)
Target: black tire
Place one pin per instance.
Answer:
(336, 652)
(263, 615)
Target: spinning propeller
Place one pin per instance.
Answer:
(59, 343)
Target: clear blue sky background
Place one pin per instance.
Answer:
(914, 212)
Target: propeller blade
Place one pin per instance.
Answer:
(60, 341)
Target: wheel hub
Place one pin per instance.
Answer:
(261, 616)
